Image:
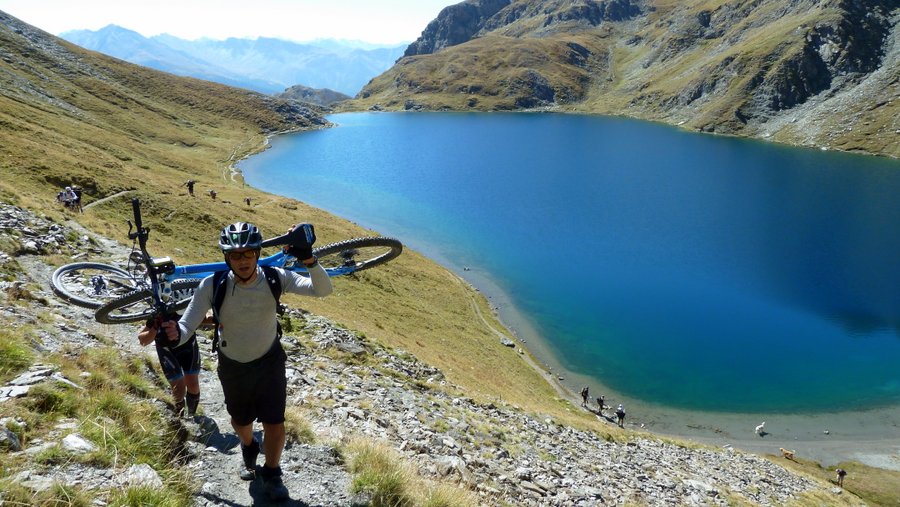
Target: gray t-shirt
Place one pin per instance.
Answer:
(248, 319)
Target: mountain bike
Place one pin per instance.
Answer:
(147, 285)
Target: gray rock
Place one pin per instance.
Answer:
(9, 441)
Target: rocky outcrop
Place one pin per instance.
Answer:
(454, 25)
(318, 96)
(461, 22)
(546, 15)
(832, 54)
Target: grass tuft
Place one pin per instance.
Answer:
(382, 474)
(297, 428)
(15, 355)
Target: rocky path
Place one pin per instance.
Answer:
(346, 387)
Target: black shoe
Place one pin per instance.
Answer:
(249, 453)
(275, 488)
(272, 483)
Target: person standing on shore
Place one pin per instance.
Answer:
(620, 416)
(840, 476)
(584, 396)
(251, 361)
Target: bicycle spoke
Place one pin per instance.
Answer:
(357, 254)
(92, 285)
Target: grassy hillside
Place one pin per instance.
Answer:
(802, 72)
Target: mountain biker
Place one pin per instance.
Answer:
(180, 365)
(251, 360)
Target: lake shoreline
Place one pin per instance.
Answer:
(869, 436)
(374, 203)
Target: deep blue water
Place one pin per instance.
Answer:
(689, 270)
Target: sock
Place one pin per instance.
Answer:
(268, 473)
(250, 452)
(192, 401)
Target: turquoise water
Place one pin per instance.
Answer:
(694, 271)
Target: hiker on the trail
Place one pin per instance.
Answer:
(70, 198)
(840, 476)
(212, 193)
(584, 396)
(247, 200)
(600, 400)
(76, 199)
(180, 364)
(190, 186)
(244, 300)
(620, 416)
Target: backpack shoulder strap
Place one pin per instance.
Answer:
(274, 281)
(220, 281)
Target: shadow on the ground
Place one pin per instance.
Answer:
(212, 437)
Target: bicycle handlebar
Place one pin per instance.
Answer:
(293, 237)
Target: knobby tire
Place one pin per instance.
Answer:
(72, 282)
(137, 306)
(359, 253)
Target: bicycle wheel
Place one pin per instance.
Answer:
(91, 284)
(357, 254)
(137, 306)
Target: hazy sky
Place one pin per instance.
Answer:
(379, 21)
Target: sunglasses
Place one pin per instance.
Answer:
(249, 254)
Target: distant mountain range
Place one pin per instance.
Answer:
(265, 65)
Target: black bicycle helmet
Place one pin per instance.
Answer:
(240, 235)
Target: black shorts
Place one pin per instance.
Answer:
(256, 390)
(180, 361)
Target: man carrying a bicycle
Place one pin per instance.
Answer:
(251, 360)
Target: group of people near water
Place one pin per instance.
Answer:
(212, 192)
(601, 400)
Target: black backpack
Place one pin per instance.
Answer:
(220, 280)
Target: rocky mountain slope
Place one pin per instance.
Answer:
(348, 388)
(321, 97)
(806, 72)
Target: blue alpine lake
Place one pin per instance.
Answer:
(693, 271)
